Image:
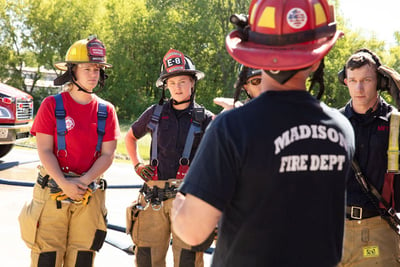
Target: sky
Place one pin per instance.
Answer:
(378, 17)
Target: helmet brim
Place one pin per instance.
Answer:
(63, 65)
(290, 57)
(198, 74)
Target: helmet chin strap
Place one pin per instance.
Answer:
(181, 102)
(80, 88)
(185, 101)
(371, 109)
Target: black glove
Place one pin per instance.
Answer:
(146, 172)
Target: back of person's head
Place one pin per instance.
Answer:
(283, 37)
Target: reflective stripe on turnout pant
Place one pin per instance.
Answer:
(70, 235)
(152, 233)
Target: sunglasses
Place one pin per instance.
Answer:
(255, 81)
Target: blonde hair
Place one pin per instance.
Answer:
(67, 87)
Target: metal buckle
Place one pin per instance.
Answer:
(391, 212)
(358, 215)
(157, 207)
(140, 207)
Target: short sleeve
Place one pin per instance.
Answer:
(44, 121)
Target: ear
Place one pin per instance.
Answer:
(345, 81)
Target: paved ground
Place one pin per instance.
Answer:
(14, 253)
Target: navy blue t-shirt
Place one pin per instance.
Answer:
(372, 140)
(276, 168)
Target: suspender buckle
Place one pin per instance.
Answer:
(391, 211)
(154, 162)
(356, 213)
(184, 161)
(60, 114)
(63, 154)
(102, 113)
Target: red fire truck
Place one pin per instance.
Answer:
(16, 114)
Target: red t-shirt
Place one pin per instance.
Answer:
(81, 123)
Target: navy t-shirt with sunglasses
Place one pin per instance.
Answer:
(276, 168)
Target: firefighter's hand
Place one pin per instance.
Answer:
(393, 82)
(226, 103)
(146, 172)
(74, 189)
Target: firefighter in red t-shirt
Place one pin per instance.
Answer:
(76, 134)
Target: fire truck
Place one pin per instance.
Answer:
(16, 115)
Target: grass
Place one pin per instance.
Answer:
(143, 144)
(121, 153)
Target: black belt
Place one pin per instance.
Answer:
(359, 213)
(156, 195)
(43, 181)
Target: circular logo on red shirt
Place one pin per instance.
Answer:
(69, 123)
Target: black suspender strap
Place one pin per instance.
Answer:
(153, 126)
(195, 128)
(388, 213)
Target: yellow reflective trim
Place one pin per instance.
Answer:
(73, 51)
(320, 17)
(253, 11)
(371, 252)
(267, 18)
(393, 147)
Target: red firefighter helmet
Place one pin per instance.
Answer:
(176, 63)
(284, 35)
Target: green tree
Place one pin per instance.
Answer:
(13, 38)
(137, 34)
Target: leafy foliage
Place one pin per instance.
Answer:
(137, 34)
